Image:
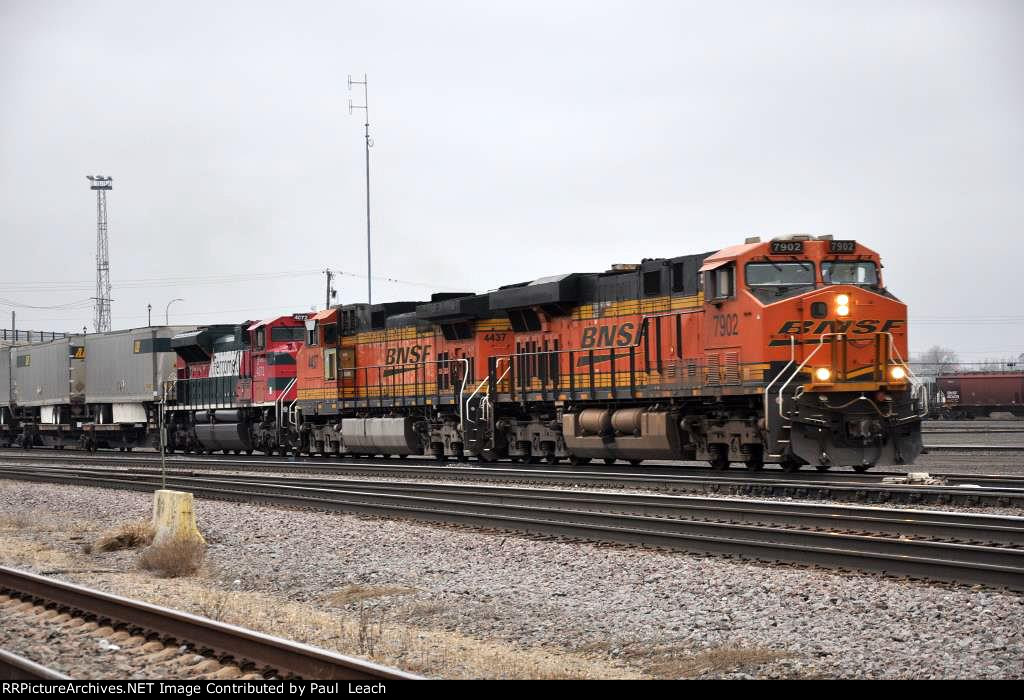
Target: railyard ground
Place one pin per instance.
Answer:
(456, 603)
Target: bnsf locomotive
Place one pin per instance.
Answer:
(788, 351)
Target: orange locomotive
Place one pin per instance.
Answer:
(787, 351)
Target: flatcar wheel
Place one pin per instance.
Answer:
(609, 460)
(578, 461)
(822, 467)
(791, 466)
(636, 462)
(248, 452)
(861, 468)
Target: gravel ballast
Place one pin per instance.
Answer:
(639, 611)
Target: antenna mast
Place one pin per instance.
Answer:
(101, 315)
(369, 144)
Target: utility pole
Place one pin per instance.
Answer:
(331, 291)
(149, 314)
(101, 316)
(369, 144)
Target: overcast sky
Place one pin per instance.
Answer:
(513, 140)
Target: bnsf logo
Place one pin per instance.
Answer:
(865, 326)
(607, 336)
(401, 356)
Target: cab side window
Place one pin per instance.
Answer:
(721, 282)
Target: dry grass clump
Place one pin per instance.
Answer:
(669, 662)
(126, 536)
(173, 558)
(355, 593)
(17, 521)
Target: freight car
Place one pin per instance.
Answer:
(89, 390)
(968, 395)
(787, 351)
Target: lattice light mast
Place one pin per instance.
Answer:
(101, 315)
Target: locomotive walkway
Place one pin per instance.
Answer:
(949, 547)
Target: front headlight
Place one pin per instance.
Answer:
(897, 373)
(843, 300)
(842, 304)
(823, 374)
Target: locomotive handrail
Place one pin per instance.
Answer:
(485, 380)
(768, 389)
(365, 369)
(279, 403)
(782, 389)
(915, 381)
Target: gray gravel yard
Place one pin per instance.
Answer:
(632, 611)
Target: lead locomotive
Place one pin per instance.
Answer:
(789, 351)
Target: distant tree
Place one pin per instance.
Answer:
(936, 360)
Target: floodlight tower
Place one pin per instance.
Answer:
(101, 316)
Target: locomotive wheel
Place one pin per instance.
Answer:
(791, 466)
(551, 459)
(577, 461)
(636, 462)
(822, 467)
(248, 452)
(533, 459)
(861, 468)
(755, 465)
(609, 460)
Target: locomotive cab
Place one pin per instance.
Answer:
(836, 388)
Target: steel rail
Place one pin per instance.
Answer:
(974, 448)
(967, 527)
(18, 668)
(895, 555)
(315, 465)
(991, 490)
(246, 647)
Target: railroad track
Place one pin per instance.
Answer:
(960, 489)
(18, 668)
(953, 547)
(251, 652)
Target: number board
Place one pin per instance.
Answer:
(842, 246)
(787, 247)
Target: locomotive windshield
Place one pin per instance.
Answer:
(780, 274)
(863, 273)
(284, 334)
